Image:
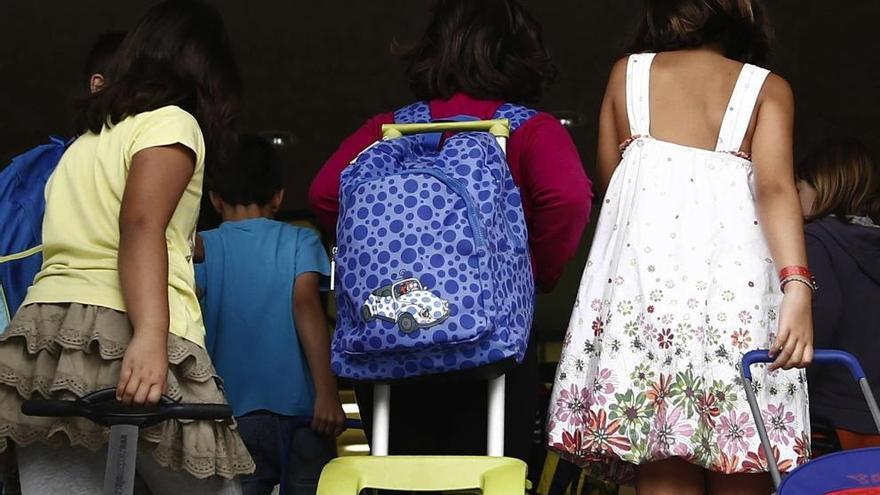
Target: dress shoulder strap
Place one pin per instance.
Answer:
(638, 86)
(740, 108)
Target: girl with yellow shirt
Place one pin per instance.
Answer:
(115, 303)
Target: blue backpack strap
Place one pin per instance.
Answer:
(416, 113)
(21, 213)
(413, 113)
(516, 114)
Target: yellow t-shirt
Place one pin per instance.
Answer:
(81, 226)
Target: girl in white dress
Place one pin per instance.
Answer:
(698, 258)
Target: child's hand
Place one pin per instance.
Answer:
(144, 371)
(329, 419)
(793, 347)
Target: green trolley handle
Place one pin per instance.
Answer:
(500, 128)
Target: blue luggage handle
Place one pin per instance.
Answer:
(824, 356)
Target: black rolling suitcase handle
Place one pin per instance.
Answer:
(125, 422)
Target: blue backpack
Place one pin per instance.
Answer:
(433, 270)
(22, 205)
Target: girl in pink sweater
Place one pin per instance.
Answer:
(473, 57)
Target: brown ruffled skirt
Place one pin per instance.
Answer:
(65, 351)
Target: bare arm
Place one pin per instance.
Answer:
(311, 327)
(608, 154)
(157, 179)
(780, 215)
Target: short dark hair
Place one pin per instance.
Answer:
(177, 54)
(102, 52)
(253, 176)
(488, 49)
(740, 26)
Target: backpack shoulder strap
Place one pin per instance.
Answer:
(638, 89)
(413, 113)
(516, 114)
(27, 253)
(740, 108)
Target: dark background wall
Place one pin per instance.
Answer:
(318, 69)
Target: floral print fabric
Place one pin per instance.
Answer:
(678, 286)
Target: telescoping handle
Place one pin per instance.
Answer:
(500, 128)
(495, 415)
(821, 356)
(102, 407)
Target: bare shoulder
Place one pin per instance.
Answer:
(777, 91)
(617, 77)
(616, 89)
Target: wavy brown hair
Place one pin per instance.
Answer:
(845, 178)
(177, 54)
(739, 26)
(488, 49)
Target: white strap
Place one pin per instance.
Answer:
(740, 108)
(638, 88)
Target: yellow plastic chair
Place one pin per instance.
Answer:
(492, 475)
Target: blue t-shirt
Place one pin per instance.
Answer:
(246, 284)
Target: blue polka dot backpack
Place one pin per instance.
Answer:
(432, 267)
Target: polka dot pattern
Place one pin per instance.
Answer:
(433, 267)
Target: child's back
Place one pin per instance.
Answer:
(83, 200)
(689, 92)
(247, 282)
(681, 280)
(115, 305)
(267, 335)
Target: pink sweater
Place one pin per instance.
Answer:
(555, 189)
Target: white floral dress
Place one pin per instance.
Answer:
(679, 284)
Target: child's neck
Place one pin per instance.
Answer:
(234, 213)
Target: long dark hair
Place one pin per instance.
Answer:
(739, 26)
(846, 179)
(488, 49)
(178, 54)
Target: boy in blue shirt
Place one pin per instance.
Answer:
(260, 283)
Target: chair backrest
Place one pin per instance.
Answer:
(492, 475)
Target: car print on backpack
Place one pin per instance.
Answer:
(407, 303)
